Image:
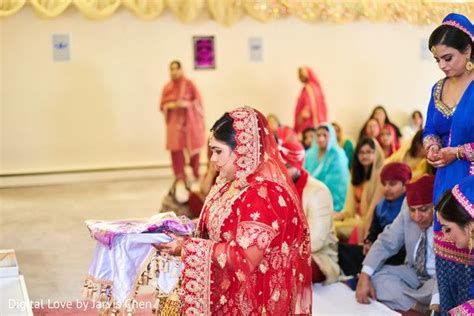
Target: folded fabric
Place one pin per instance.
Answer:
(125, 259)
(105, 231)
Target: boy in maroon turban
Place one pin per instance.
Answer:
(394, 177)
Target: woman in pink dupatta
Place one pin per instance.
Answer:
(251, 250)
(311, 106)
(184, 115)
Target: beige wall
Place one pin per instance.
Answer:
(99, 109)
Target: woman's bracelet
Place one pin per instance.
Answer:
(460, 153)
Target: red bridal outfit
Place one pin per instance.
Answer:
(251, 251)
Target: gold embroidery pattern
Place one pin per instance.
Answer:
(220, 207)
(213, 195)
(468, 152)
(463, 200)
(248, 140)
(197, 277)
(445, 248)
(222, 259)
(439, 104)
(251, 233)
(255, 215)
(463, 310)
(263, 266)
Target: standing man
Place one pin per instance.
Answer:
(184, 116)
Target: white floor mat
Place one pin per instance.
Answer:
(339, 299)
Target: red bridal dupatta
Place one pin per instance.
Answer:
(251, 251)
(311, 106)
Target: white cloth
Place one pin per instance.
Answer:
(122, 264)
(318, 208)
(339, 299)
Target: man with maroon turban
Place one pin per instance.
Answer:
(318, 208)
(411, 286)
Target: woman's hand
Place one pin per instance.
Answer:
(305, 114)
(433, 154)
(444, 157)
(170, 106)
(173, 248)
(182, 104)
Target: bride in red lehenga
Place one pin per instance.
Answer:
(251, 251)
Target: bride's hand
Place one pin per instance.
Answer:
(173, 247)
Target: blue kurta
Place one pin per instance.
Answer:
(453, 128)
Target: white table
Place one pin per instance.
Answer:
(14, 299)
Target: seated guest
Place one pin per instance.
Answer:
(327, 162)
(317, 206)
(455, 212)
(370, 129)
(380, 114)
(344, 143)
(362, 193)
(388, 140)
(394, 177)
(282, 133)
(415, 125)
(273, 122)
(308, 137)
(411, 286)
(413, 154)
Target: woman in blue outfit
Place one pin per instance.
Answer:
(327, 162)
(456, 215)
(449, 132)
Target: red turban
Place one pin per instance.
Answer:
(421, 191)
(293, 153)
(395, 171)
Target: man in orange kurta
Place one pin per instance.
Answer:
(184, 116)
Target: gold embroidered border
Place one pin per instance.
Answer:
(196, 288)
(250, 233)
(439, 104)
(452, 254)
(468, 152)
(463, 310)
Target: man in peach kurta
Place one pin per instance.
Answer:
(184, 116)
